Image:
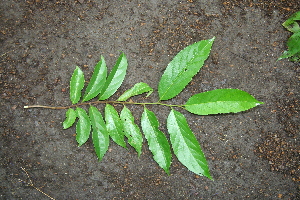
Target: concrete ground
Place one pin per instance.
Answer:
(251, 155)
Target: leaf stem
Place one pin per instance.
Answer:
(102, 102)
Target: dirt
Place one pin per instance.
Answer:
(252, 155)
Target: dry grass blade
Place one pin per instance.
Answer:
(30, 183)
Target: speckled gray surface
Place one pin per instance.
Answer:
(252, 155)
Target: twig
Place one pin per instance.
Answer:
(6, 53)
(30, 183)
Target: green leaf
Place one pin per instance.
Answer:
(115, 78)
(70, 118)
(114, 125)
(293, 44)
(291, 23)
(220, 101)
(131, 130)
(137, 89)
(99, 134)
(83, 126)
(157, 141)
(182, 68)
(185, 144)
(76, 85)
(97, 81)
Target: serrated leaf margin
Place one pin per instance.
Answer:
(76, 85)
(157, 141)
(220, 101)
(185, 145)
(100, 135)
(114, 125)
(138, 88)
(83, 126)
(131, 130)
(70, 118)
(97, 81)
(115, 78)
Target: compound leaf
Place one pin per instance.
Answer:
(185, 144)
(157, 141)
(131, 130)
(182, 68)
(220, 101)
(137, 89)
(114, 125)
(97, 81)
(115, 78)
(76, 85)
(83, 126)
(99, 132)
(70, 118)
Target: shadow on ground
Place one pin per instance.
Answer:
(254, 154)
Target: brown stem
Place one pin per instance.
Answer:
(99, 102)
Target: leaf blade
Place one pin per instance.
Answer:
(70, 118)
(185, 145)
(293, 44)
(114, 125)
(157, 141)
(292, 24)
(76, 85)
(137, 89)
(131, 130)
(99, 132)
(182, 68)
(97, 81)
(115, 78)
(220, 101)
(83, 126)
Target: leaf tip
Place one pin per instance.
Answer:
(259, 103)
(167, 170)
(100, 158)
(211, 178)
(79, 143)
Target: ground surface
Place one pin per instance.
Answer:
(252, 155)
